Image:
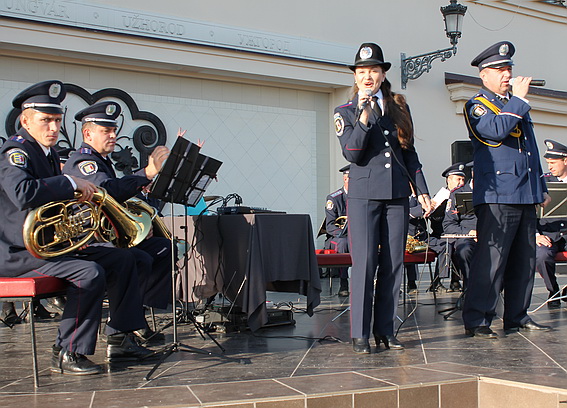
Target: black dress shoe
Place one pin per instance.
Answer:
(343, 289)
(65, 362)
(455, 287)
(555, 303)
(57, 302)
(9, 315)
(530, 325)
(40, 312)
(482, 332)
(124, 347)
(361, 346)
(390, 342)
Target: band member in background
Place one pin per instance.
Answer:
(91, 162)
(336, 226)
(508, 182)
(550, 238)
(30, 176)
(376, 135)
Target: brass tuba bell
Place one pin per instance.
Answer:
(62, 227)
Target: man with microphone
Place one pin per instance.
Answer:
(508, 182)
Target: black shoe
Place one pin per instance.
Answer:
(9, 315)
(65, 362)
(435, 286)
(411, 287)
(390, 342)
(57, 303)
(40, 312)
(124, 347)
(455, 287)
(361, 346)
(530, 325)
(482, 332)
(555, 303)
(147, 335)
(343, 289)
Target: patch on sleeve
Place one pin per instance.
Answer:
(339, 124)
(330, 205)
(88, 167)
(478, 111)
(17, 157)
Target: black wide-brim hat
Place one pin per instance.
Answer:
(369, 54)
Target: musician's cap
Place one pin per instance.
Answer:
(345, 169)
(555, 150)
(101, 113)
(496, 56)
(44, 97)
(369, 54)
(64, 153)
(470, 164)
(454, 169)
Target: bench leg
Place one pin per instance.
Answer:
(33, 344)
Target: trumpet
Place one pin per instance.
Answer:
(62, 227)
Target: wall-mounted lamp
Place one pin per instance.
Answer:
(414, 67)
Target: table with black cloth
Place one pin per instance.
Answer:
(243, 256)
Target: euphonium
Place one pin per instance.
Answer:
(62, 227)
(139, 206)
(341, 221)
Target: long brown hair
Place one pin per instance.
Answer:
(397, 109)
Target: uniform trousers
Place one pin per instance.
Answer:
(88, 274)
(503, 259)
(464, 249)
(339, 244)
(154, 271)
(545, 264)
(376, 224)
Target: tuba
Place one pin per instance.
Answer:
(415, 245)
(62, 227)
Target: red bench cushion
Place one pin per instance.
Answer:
(23, 287)
(561, 257)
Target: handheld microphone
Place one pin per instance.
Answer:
(533, 82)
(364, 103)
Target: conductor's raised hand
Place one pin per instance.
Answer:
(156, 160)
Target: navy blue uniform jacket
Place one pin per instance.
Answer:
(88, 164)
(27, 181)
(374, 173)
(510, 172)
(335, 208)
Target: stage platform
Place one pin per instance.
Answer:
(311, 364)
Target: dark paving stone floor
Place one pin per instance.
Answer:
(312, 356)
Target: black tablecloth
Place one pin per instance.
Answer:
(242, 256)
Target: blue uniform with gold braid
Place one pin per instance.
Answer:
(378, 212)
(507, 183)
(153, 254)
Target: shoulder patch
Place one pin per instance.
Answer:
(330, 205)
(88, 167)
(17, 157)
(339, 124)
(478, 110)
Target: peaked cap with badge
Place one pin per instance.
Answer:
(44, 97)
(555, 150)
(101, 113)
(369, 54)
(496, 56)
(454, 169)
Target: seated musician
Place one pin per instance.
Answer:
(454, 178)
(457, 222)
(337, 227)
(551, 231)
(92, 162)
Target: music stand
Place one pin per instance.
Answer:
(175, 180)
(557, 190)
(464, 202)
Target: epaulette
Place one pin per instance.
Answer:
(336, 193)
(86, 150)
(18, 138)
(547, 175)
(346, 104)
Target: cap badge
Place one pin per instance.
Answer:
(110, 109)
(54, 90)
(549, 145)
(503, 50)
(365, 52)
(461, 167)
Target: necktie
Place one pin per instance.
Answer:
(376, 107)
(52, 163)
